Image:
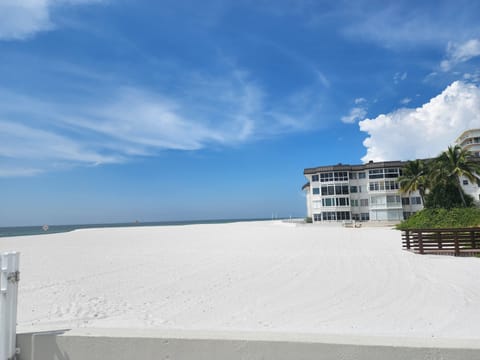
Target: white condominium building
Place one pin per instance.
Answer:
(367, 192)
(470, 140)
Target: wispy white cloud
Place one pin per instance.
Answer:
(405, 101)
(21, 19)
(358, 112)
(473, 77)
(425, 131)
(37, 135)
(459, 53)
(355, 114)
(398, 24)
(18, 172)
(399, 76)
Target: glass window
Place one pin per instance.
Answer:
(353, 175)
(378, 200)
(375, 174)
(363, 202)
(391, 185)
(393, 199)
(416, 200)
(353, 189)
(331, 190)
(343, 215)
(315, 191)
(354, 202)
(392, 173)
(341, 189)
(342, 201)
(314, 178)
(328, 215)
(327, 202)
(405, 201)
(340, 176)
(317, 217)
(376, 186)
(465, 182)
(365, 216)
(361, 175)
(326, 177)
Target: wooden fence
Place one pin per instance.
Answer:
(457, 242)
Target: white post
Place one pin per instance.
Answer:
(9, 277)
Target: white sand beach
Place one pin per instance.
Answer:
(251, 276)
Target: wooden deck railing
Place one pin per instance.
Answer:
(457, 242)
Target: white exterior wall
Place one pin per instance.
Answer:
(470, 140)
(471, 189)
(308, 196)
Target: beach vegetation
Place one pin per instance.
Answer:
(447, 195)
(439, 183)
(439, 180)
(451, 166)
(438, 218)
(415, 177)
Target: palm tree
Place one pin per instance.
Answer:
(456, 162)
(414, 177)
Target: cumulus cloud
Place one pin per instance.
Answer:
(425, 131)
(458, 53)
(21, 19)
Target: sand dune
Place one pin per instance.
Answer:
(260, 276)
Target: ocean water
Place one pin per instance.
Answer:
(52, 229)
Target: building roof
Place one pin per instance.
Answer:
(346, 167)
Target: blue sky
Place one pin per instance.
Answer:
(125, 110)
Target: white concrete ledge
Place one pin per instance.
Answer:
(119, 344)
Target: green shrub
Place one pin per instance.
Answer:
(442, 218)
(308, 220)
(447, 196)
